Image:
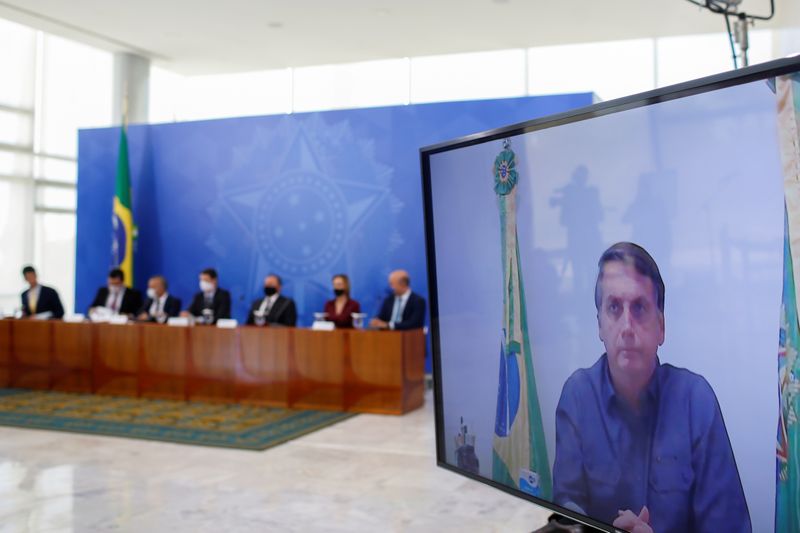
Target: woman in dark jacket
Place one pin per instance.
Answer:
(340, 309)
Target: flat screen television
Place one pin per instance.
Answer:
(614, 316)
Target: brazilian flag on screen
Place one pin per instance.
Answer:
(519, 452)
(787, 494)
(122, 218)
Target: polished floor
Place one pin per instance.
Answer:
(370, 473)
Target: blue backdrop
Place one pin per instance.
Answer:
(303, 195)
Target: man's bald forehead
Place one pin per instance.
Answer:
(399, 275)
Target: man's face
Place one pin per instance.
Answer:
(30, 278)
(208, 279)
(272, 282)
(396, 284)
(631, 325)
(115, 283)
(157, 286)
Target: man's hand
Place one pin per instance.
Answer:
(378, 323)
(632, 523)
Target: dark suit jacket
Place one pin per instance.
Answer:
(221, 305)
(131, 300)
(48, 301)
(344, 319)
(172, 307)
(413, 314)
(283, 312)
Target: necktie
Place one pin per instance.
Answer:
(396, 314)
(114, 298)
(33, 299)
(268, 307)
(159, 307)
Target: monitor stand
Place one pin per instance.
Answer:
(560, 524)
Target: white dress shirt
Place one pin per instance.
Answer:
(117, 304)
(33, 296)
(398, 308)
(268, 304)
(158, 304)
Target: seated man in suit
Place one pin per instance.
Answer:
(211, 303)
(39, 299)
(403, 309)
(274, 308)
(159, 304)
(116, 297)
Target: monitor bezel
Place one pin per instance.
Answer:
(763, 71)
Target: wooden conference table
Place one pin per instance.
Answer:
(342, 370)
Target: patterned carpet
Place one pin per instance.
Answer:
(208, 424)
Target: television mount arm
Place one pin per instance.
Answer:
(741, 26)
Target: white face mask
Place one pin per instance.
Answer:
(151, 293)
(114, 289)
(206, 286)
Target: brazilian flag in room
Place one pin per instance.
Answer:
(519, 453)
(122, 218)
(787, 508)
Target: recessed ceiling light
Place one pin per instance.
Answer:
(275, 25)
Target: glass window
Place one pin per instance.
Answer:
(16, 128)
(76, 93)
(468, 76)
(709, 54)
(165, 86)
(56, 169)
(367, 84)
(18, 64)
(609, 69)
(15, 220)
(15, 164)
(54, 255)
(231, 95)
(56, 197)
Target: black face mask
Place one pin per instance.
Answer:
(338, 292)
(269, 291)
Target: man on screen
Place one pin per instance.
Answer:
(640, 443)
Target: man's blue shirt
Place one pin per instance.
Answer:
(674, 456)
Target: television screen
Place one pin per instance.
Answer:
(614, 317)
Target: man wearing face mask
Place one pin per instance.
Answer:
(116, 297)
(641, 443)
(212, 302)
(273, 308)
(159, 304)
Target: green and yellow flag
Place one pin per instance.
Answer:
(519, 454)
(122, 217)
(787, 496)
